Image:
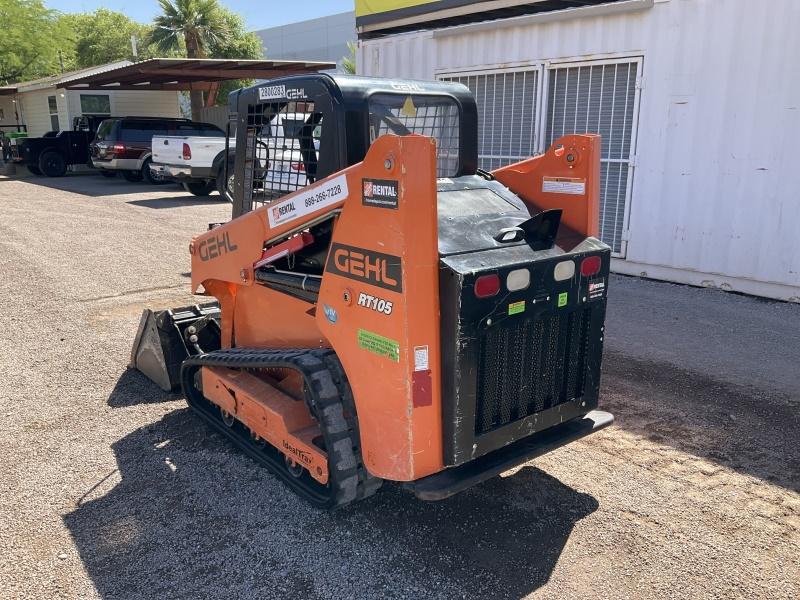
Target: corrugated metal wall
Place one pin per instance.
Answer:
(715, 199)
(216, 115)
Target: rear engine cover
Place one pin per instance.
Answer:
(526, 358)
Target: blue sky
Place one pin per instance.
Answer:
(258, 14)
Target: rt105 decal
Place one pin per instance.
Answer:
(377, 304)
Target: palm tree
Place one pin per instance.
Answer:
(349, 60)
(199, 24)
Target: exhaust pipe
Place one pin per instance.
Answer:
(166, 338)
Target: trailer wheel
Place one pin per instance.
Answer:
(52, 164)
(34, 169)
(132, 176)
(200, 188)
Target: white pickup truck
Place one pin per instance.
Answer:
(199, 162)
(196, 162)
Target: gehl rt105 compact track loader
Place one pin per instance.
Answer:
(387, 310)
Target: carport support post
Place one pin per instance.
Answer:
(196, 100)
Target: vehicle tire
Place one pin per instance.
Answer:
(200, 188)
(34, 169)
(219, 180)
(148, 176)
(52, 164)
(109, 174)
(132, 176)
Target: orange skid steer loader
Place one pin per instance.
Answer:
(386, 310)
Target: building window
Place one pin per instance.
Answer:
(96, 104)
(52, 105)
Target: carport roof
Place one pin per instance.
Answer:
(187, 73)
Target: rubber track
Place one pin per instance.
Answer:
(330, 401)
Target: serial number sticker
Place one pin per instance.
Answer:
(564, 185)
(421, 358)
(270, 92)
(320, 196)
(516, 307)
(377, 344)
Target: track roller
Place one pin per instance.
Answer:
(330, 402)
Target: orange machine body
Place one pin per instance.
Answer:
(378, 305)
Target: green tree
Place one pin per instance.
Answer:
(239, 43)
(192, 25)
(31, 36)
(104, 36)
(349, 61)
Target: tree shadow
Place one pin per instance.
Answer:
(188, 515)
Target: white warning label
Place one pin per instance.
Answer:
(421, 358)
(320, 196)
(564, 185)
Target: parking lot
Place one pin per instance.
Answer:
(110, 488)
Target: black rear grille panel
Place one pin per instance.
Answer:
(531, 365)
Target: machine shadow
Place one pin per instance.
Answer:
(501, 540)
(133, 388)
(177, 201)
(92, 184)
(189, 516)
(753, 432)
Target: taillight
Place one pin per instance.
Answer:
(117, 148)
(187, 152)
(518, 279)
(298, 167)
(487, 285)
(564, 270)
(590, 266)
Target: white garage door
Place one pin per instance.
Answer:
(514, 108)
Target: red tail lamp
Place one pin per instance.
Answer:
(187, 152)
(487, 285)
(590, 266)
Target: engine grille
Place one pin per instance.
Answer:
(530, 366)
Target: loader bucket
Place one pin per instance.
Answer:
(164, 340)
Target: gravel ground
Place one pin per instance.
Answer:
(110, 488)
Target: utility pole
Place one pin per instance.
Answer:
(134, 49)
(61, 61)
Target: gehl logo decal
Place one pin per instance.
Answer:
(367, 266)
(216, 246)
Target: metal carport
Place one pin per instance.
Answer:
(186, 74)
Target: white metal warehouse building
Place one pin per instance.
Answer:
(697, 102)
